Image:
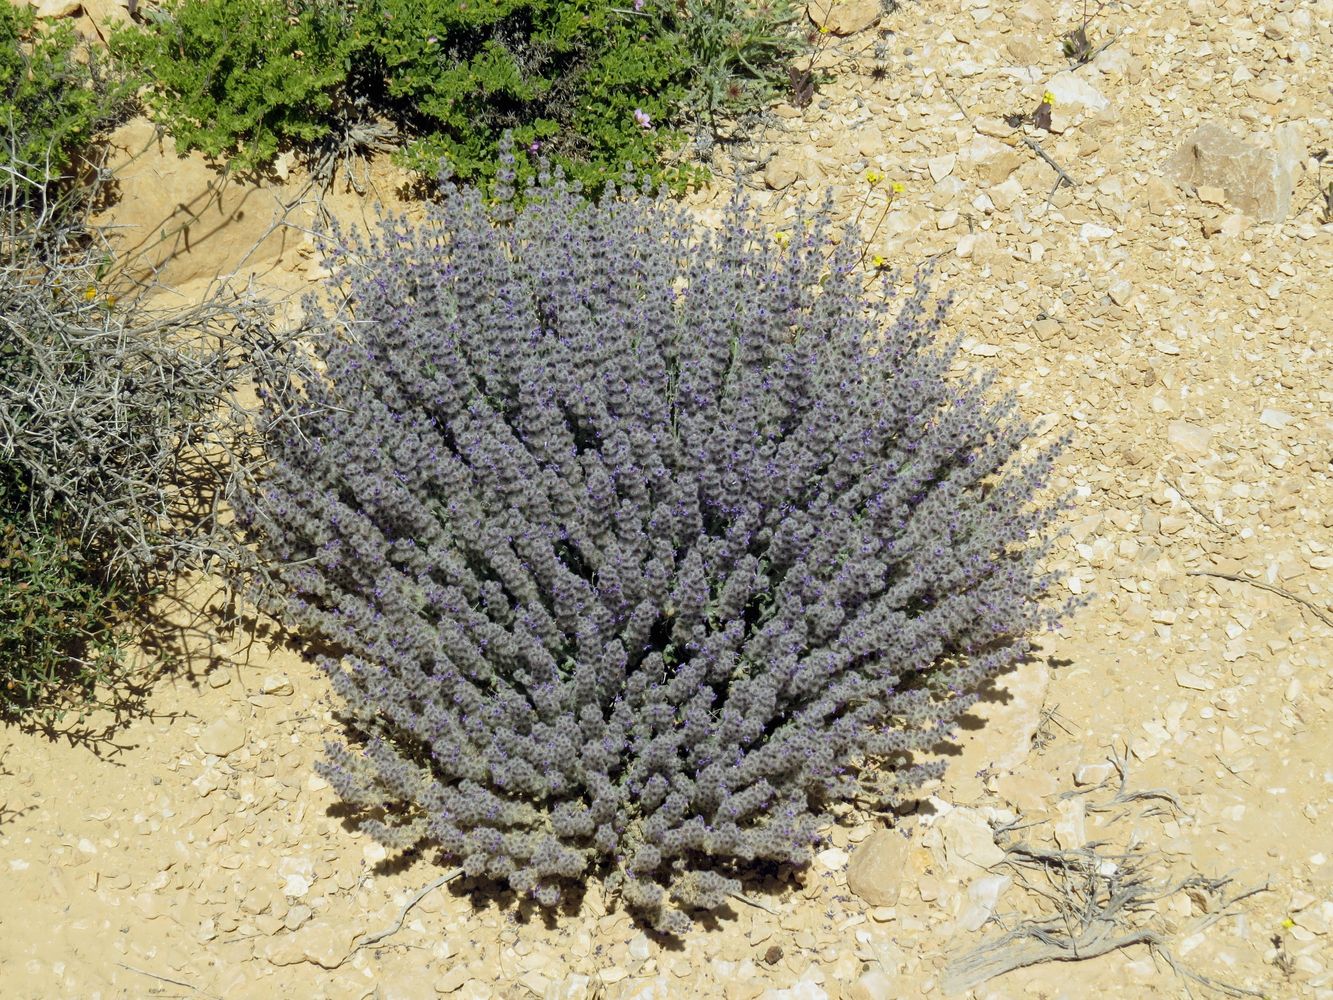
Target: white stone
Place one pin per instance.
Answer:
(968, 843)
(1188, 438)
(834, 859)
(222, 737)
(57, 8)
(277, 684)
(1093, 774)
(1277, 419)
(941, 166)
(639, 948)
(1070, 829)
(1073, 90)
(296, 886)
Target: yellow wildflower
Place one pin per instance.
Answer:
(1048, 98)
(1288, 924)
(873, 177)
(898, 187)
(90, 293)
(782, 239)
(878, 261)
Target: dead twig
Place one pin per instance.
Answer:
(448, 876)
(755, 903)
(1095, 901)
(164, 979)
(1195, 507)
(1314, 609)
(1032, 144)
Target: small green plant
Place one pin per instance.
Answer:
(592, 87)
(741, 53)
(1076, 45)
(54, 94)
(59, 631)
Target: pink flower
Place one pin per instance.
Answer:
(642, 118)
(638, 5)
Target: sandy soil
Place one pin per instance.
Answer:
(1158, 782)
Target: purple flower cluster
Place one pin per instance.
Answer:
(640, 544)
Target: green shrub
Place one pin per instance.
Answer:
(566, 78)
(59, 631)
(240, 78)
(53, 97)
(592, 85)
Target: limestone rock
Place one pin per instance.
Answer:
(782, 171)
(982, 897)
(106, 12)
(1187, 438)
(1024, 50)
(878, 867)
(1075, 99)
(875, 985)
(51, 9)
(844, 17)
(967, 843)
(1257, 181)
(279, 685)
(179, 220)
(222, 737)
(1070, 829)
(325, 944)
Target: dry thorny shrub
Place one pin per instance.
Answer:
(125, 414)
(123, 424)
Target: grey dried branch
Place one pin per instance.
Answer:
(1097, 902)
(1314, 609)
(125, 418)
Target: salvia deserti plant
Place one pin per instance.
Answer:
(641, 544)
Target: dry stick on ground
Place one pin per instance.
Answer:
(424, 891)
(1122, 797)
(165, 979)
(1032, 144)
(1315, 610)
(755, 903)
(1193, 506)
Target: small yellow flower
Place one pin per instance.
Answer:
(110, 301)
(1048, 98)
(782, 239)
(1288, 924)
(823, 29)
(878, 261)
(90, 293)
(898, 187)
(873, 177)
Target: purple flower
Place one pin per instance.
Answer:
(656, 555)
(643, 118)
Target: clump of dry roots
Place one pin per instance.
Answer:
(1096, 899)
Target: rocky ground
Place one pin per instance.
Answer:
(1156, 786)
